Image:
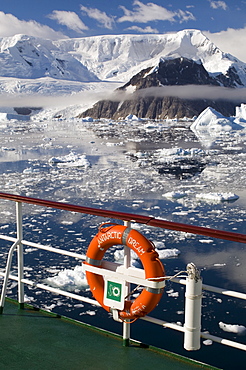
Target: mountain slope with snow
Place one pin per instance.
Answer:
(120, 57)
(114, 58)
(29, 57)
(34, 67)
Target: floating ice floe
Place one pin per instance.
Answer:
(168, 253)
(28, 299)
(172, 293)
(119, 256)
(179, 152)
(237, 329)
(114, 144)
(70, 160)
(70, 280)
(89, 312)
(206, 241)
(163, 254)
(208, 342)
(217, 197)
(8, 149)
(175, 194)
(171, 154)
(175, 161)
(30, 170)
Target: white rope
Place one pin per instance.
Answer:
(168, 277)
(176, 275)
(157, 279)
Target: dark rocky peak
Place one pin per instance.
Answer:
(171, 72)
(230, 79)
(183, 71)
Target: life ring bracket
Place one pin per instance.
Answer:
(130, 275)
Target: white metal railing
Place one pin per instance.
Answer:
(193, 296)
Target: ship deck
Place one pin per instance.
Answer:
(35, 339)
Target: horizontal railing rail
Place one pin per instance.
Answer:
(18, 243)
(141, 219)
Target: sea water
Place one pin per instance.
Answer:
(158, 169)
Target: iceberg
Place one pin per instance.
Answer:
(132, 117)
(214, 122)
(240, 116)
(210, 124)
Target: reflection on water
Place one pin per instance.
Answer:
(115, 182)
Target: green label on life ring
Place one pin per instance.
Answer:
(114, 291)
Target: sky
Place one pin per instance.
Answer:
(223, 22)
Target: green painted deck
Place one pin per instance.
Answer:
(32, 339)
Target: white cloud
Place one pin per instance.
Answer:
(89, 97)
(69, 19)
(185, 16)
(218, 4)
(231, 41)
(143, 13)
(195, 92)
(101, 17)
(147, 29)
(11, 25)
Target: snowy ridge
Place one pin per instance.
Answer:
(111, 58)
(86, 70)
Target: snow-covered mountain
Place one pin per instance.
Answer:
(111, 57)
(122, 56)
(31, 65)
(29, 57)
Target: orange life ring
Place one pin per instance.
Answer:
(122, 235)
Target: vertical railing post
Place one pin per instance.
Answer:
(127, 263)
(6, 277)
(20, 258)
(193, 304)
